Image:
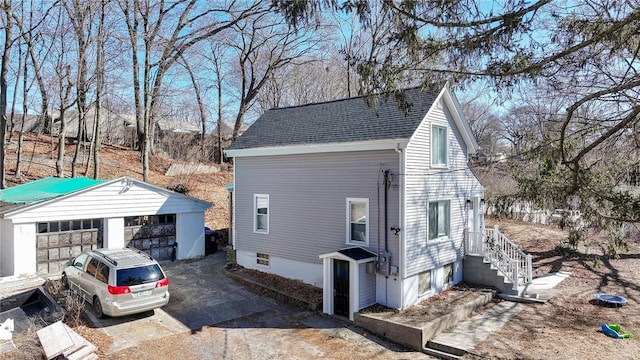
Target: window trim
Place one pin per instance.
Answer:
(255, 214)
(446, 146)
(349, 241)
(442, 237)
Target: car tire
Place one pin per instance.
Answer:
(97, 307)
(65, 282)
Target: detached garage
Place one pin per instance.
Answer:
(45, 223)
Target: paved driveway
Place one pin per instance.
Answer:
(210, 316)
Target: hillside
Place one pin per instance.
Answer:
(39, 159)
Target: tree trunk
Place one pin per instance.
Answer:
(4, 69)
(25, 95)
(99, 89)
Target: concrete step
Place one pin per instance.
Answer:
(440, 354)
(464, 336)
(445, 348)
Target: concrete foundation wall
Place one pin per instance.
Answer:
(476, 271)
(416, 337)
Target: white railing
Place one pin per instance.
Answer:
(496, 248)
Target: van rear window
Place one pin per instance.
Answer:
(139, 275)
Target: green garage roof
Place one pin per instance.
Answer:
(45, 189)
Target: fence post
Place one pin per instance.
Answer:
(514, 274)
(529, 268)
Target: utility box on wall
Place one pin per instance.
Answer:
(383, 263)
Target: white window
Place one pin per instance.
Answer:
(424, 282)
(439, 146)
(262, 259)
(447, 275)
(439, 215)
(357, 221)
(261, 213)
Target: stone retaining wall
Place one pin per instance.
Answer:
(416, 337)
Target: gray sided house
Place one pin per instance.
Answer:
(370, 203)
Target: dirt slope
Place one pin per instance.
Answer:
(38, 161)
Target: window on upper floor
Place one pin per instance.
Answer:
(439, 146)
(357, 221)
(261, 213)
(439, 219)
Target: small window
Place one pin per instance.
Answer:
(54, 226)
(43, 228)
(447, 273)
(438, 219)
(261, 219)
(424, 282)
(96, 223)
(86, 224)
(65, 226)
(76, 225)
(357, 221)
(439, 146)
(262, 259)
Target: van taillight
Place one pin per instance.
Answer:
(117, 290)
(163, 282)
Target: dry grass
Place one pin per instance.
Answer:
(567, 327)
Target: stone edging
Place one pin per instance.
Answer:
(313, 306)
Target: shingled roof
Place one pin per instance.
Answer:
(339, 121)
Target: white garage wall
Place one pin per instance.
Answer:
(24, 249)
(6, 248)
(190, 235)
(111, 200)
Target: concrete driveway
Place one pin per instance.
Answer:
(215, 317)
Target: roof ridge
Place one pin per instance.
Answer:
(388, 92)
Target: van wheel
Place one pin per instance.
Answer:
(97, 307)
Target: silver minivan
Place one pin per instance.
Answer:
(117, 282)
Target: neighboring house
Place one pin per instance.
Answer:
(371, 204)
(45, 223)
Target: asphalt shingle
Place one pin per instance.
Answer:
(339, 121)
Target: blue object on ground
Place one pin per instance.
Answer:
(612, 330)
(611, 299)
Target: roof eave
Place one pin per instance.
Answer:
(460, 119)
(386, 144)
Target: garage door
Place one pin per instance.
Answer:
(153, 234)
(60, 241)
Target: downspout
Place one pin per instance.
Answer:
(400, 256)
(386, 212)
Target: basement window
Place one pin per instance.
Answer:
(424, 282)
(447, 271)
(262, 259)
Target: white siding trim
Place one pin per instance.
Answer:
(388, 144)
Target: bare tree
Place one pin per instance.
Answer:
(7, 21)
(200, 103)
(100, 69)
(263, 45)
(168, 30)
